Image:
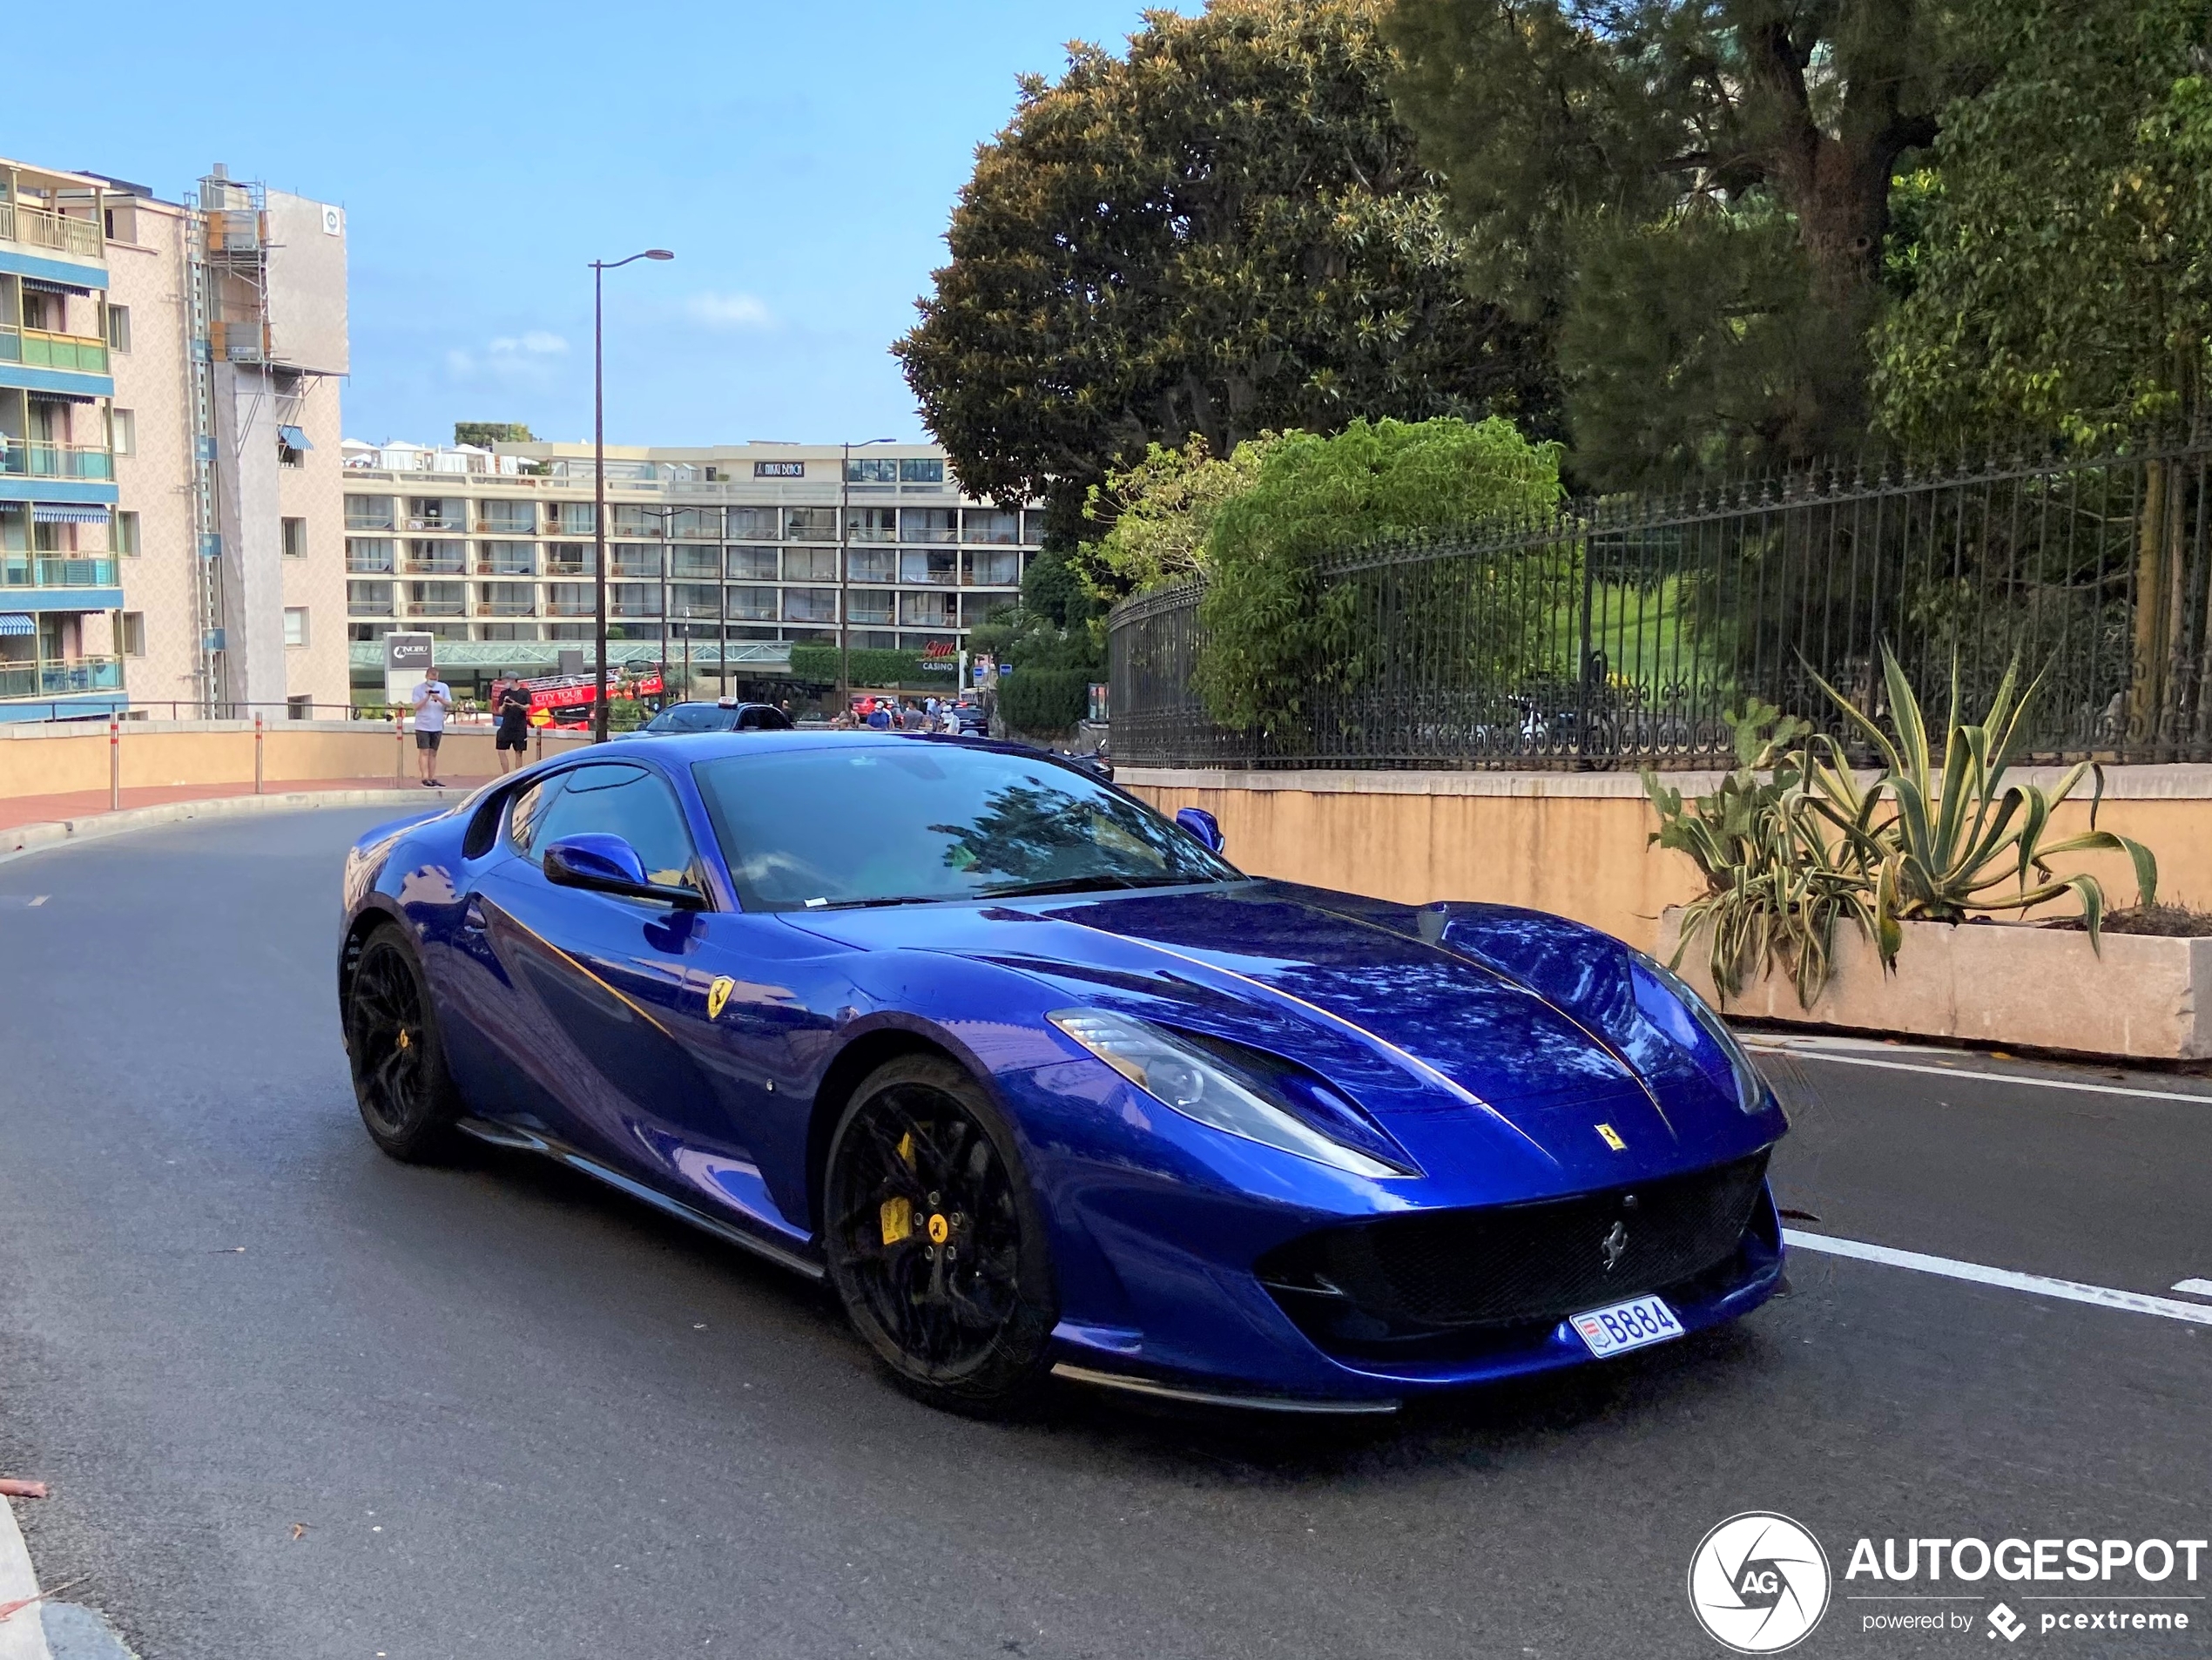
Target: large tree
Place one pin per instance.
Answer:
(2061, 284)
(1224, 231)
(1694, 193)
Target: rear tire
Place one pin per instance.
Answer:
(406, 1097)
(935, 1244)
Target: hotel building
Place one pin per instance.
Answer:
(745, 549)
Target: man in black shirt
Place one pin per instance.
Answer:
(512, 709)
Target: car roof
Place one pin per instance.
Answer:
(712, 745)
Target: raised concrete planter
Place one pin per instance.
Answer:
(2002, 982)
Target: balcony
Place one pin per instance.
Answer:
(61, 679)
(40, 228)
(30, 458)
(566, 605)
(507, 607)
(84, 354)
(57, 571)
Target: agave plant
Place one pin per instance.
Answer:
(1782, 844)
(1950, 842)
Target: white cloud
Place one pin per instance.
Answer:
(729, 311)
(525, 360)
(536, 343)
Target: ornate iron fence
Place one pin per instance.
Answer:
(1624, 631)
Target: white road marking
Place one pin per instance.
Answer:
(2195, 1288)
(23, 1637)
(2203, 1099)
(2132, 1302)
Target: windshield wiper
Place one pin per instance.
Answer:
(873, 904)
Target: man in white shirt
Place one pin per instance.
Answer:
(432, 699)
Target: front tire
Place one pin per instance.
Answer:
(406, 1097)
(934, 1241)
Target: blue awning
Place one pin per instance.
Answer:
(14, 623)
(66, 513)
(293, 438)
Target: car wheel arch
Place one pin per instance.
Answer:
(371, 917)
(847, 1070)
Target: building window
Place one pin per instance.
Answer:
(436, 513)
(870, 607)
(872, 469)
(507, 599)
(873, 564)
(570, 518)
(437, 599)
(636, 520)
(701, 523)
(872, 524)
(927, 610)
(123, 533)
(570, 599)
(507, 518)
(301, 708)
(368, 513)
(134, 633)
(696, 565)
(921, 472)
(634, 599)
(928, 525)
(287, 456)
(427, 558)
(569, 559)
(752, 605)
(508, 631)
(809, 524)
(931, 566)
(810, 605)
(695, 599)
(634, 559)
(1032, 527)
(989, 568)
(296, 538)
(810, 564)
(124, 427)
(507, 558)
(368, 598)
(754, 524)
(753, 564)
(990, 524)
(118, 328)
(370, 555)
(295, 625)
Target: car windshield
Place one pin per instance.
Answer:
(917, 821)
(693, 717)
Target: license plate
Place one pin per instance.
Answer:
(1625, 1326)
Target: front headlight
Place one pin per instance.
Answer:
(1681, 1014)
(1178, 1074)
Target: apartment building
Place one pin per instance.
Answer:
(171, 535)
(714, 556)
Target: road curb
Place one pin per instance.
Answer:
(61, 833)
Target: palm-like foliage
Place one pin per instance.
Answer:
(1952, 840)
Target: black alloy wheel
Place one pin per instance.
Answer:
(935, 1244)
(407, 1098)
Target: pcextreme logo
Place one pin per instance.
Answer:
(1758, 1582)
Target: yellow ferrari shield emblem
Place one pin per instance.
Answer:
(939, 1230)
(898, 1219)
(1612, 1138)
(717, 996)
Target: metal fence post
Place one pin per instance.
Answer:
(399, 748)
(114, 764)
(258, 773)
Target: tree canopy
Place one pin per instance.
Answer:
(2061, 282)
(485, 433)
(1694, 196)
(1224, 231)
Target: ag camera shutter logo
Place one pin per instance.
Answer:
(1758, 1584)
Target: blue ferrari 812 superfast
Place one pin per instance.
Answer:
(1043, 1086)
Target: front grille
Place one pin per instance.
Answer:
(1403, 1280)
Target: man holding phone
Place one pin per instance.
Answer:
(432, 699)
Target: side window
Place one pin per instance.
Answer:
(615, 799)
(530, 805)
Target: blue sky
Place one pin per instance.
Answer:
(801, 160)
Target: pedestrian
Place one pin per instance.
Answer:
(433, 698)
(912, 719)
(880, 717)
(513, 710)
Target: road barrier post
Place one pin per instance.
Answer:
(399, 748)
(114, 764)
(257, 755)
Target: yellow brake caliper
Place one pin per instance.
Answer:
(897, 1214)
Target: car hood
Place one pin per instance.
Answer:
(1433, 1041)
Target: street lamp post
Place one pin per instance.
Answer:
(845, 572)
(599, 269)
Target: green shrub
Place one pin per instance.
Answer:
(1275, 632)
(870, 666)
(1045, 701)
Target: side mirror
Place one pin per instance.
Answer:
(1204, 828)
(603, 864)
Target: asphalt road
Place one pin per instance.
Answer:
(518, 1416)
